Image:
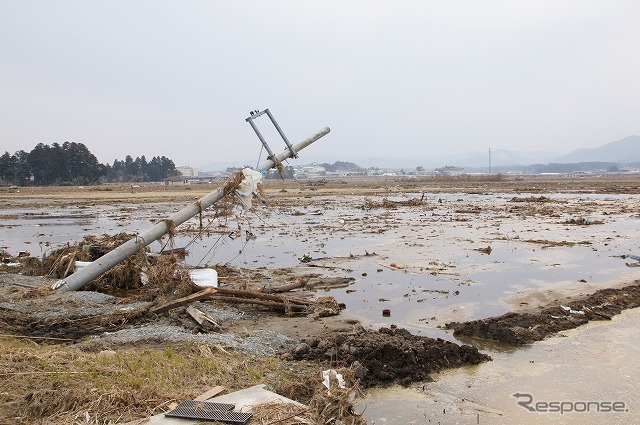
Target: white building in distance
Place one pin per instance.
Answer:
(188, 171)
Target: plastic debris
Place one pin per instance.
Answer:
(204, 277)
(248, 186)
(331, 373)
(570, 310)
(306, 258)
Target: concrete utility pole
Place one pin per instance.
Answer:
(86, 274)
(489, 160)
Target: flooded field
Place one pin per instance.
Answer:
(449, 257)
(421, 257)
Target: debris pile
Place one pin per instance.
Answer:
(389, 204)
(583, 221)
(531, 199)
(328, 405)
(524, 328)
(388, 355)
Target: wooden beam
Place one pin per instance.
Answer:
(201, 295)
(211, 393)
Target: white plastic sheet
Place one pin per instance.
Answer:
(331, 373)
(248, 186)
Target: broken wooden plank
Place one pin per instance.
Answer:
(201, 295)
(243, 293)
(285, 306)
(200, 316)
(310, 282)
(236, 295)
(211, 393)
(297, 284)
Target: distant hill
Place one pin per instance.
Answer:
(621, 151)
(503, 158)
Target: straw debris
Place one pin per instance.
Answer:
(389, 204)
(326, 406)
(335, 405)
(167, 280)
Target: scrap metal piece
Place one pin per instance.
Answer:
(206, 410)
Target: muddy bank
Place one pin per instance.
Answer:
(389, 355)
(93, 321)
(524, 328)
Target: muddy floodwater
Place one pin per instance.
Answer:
(594, 364)
(428, 259)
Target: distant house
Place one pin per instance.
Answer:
(175, 180)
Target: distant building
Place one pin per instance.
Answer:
(309, 171)
(187, 171)
(179, 180)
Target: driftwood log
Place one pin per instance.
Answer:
(312, 282)
(240, 296)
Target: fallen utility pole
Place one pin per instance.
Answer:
(86, 274)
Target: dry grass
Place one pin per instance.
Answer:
(57, 384)
(281, 414)
(167, 280)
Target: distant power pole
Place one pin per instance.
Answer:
(489, 160)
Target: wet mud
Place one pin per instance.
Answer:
(524, 328)
(387, 356)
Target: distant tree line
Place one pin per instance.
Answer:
(139, 170)
(572, 167)
(72, 163)
(340, 166)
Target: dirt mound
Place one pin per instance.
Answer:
(523, 328)
(390, 355)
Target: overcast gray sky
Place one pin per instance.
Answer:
(178, 78)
